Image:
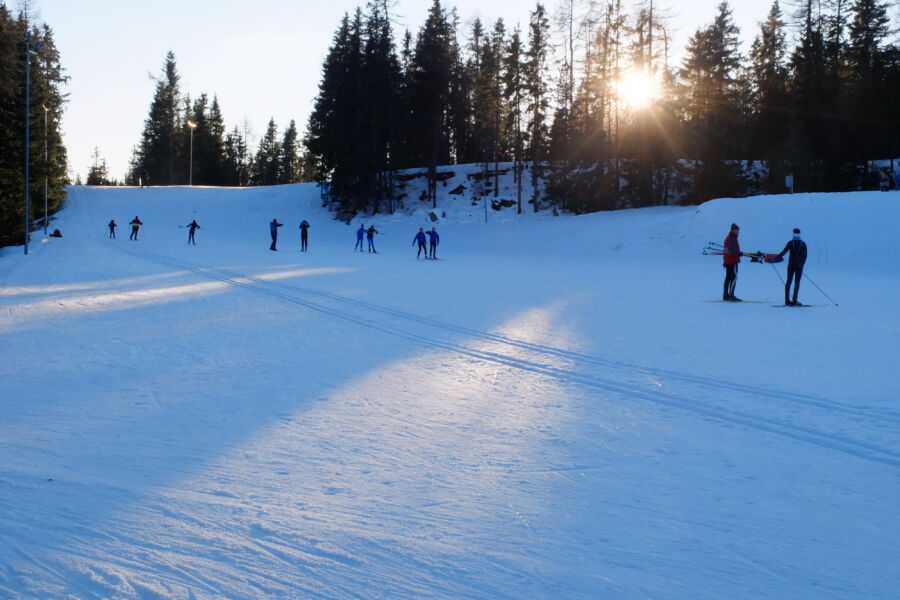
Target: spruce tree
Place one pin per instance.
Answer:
(713, 107)
(771, 116)
(866, 65)
(289, 160)
(429, 91)
(98, 174)
(266, 163)
(158, 149)
(536, 62)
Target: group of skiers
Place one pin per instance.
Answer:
(193, 226)
(370, 236)
(731, 257)
(135, 226)
(136, 223)
(433, 241)
(304, 234)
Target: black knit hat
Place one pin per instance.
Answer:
(796, 230)
(734, 226)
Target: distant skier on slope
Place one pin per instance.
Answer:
(112, 229)
(730, 260)
(304, 235)
(193, 227)
(273, 229)
(797, 249)
(359, 238)
(420, 238)
(370, 235)
(135, 225)
(433, 240)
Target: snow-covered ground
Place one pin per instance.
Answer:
(553, 410)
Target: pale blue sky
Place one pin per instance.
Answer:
(262, 58)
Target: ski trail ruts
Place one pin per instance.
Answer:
(586, 358)
(860, 449)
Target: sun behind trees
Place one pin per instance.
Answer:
(610, 119)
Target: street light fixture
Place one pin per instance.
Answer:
(193, 126)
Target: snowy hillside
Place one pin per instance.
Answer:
(555, 409)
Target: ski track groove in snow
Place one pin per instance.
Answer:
(856, 448)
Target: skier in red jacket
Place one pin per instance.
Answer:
(730, 261)
(135, 225)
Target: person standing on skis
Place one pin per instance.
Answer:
(112, 229)
(304, 235)
(797, 249)
(359, 238)
(273, 229)
(730, 260)
(420, 237)
(370, 235)
(433, 240)
(135, 225)
(193, 227)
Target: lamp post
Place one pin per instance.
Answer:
(46, 166)
(193, 126)
(28, 53)
(27, 133)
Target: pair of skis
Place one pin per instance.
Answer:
(715, 249)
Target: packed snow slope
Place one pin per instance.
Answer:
(558, 408)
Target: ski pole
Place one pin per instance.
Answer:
(820, 289)
(777, 273)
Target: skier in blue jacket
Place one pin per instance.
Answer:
(359, 238)
(420, 237)
(273, 229)
(433, 240)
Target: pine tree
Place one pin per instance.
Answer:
(158, 149)
(866, 61)
(337, 116)
(536, 59)
(289, 160)
(215, 170)
(513, 93)
(266, 164)
(98, 174)
(236, 159)
(770, 118)
(429, 92)
(713, 107)
(380, 81)
(812, 93)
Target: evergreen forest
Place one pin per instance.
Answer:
(589, 99)
(21, 40)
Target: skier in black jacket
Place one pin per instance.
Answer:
(370, 236)
(797, 248)
(304, 235)
(194, 226)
